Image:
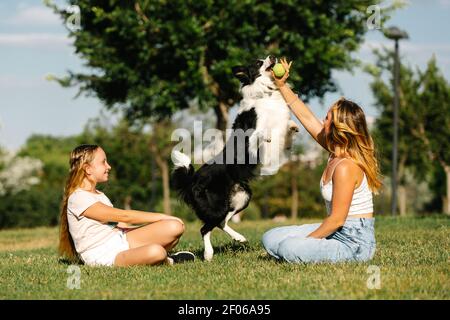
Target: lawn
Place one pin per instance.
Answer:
(412, 257)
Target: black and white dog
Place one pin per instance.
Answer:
(220, 188)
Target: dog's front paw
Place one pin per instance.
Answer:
(293, 127)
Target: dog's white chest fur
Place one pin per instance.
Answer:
(272, 130)
(272, 113)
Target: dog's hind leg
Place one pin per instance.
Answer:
(209, 251)
(206, 235)
(226, 228)
(241, 195)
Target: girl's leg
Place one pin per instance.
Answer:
(296, 250)
(165, 233)
(271, 239)
(145, 255)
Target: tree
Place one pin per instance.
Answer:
(18, 173)
(160, 148)
(153, 58)
(383, 128)
(423, 119)
(433, 121)
(36, 176)
(54, 153)
(275, 195)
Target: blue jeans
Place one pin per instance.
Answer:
(355, 241)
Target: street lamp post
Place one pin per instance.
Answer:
(395, 34)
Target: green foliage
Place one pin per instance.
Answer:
(434, 113)
(54, 153)
(155, 57)
(134, 176)
(2, 154)
(179, 209)
(38, 206)
(252, 212)
(272, 194)
(424, 121)
(383, 129)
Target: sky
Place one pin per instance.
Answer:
(34, 44)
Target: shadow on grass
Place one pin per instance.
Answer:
(268, 258)
(69, 262)
(233, 246)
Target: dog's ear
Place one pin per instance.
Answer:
(241, 73)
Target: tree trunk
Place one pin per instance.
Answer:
(401, 188)
(294, 190)
(402, 200)
(153, 185)
(127, 202)
(164, 167)
(221, 111)
(166, 188)
(433, 157)
(446, 205)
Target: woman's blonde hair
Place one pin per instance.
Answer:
(79, 157)
(349, 132)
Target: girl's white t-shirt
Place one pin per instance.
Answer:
(87, 233)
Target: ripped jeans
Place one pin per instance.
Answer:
(355, 241)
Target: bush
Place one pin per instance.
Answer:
(36, 207)
(179, 209)
(252, 212)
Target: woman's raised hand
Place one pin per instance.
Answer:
(281, 81)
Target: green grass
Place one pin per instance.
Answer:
(412, 254)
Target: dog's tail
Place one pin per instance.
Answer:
(181, 179)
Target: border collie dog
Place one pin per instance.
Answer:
(220, 188)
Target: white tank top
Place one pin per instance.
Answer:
(362, 201)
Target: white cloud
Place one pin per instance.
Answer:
(36, 16)
(33, 39)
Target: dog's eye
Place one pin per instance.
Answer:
(259, 63)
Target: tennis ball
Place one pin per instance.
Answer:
(278, 70)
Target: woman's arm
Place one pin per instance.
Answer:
(104, 213)
(344, 182)
(311, 123)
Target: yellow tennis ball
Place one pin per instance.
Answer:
(278, 70)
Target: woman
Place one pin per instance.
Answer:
(90, 225)
(351, 175)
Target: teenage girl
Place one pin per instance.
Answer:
(347, 184)
(90, 225)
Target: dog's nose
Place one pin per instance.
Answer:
(272, 58)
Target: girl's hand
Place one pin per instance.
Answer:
(282, 81)
(123, 225)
